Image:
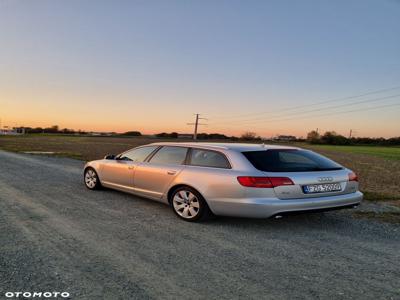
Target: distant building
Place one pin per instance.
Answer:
(94, 133)
(286, 138)
(185, 136)
(12, 131)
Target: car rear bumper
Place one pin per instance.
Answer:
(264, 208)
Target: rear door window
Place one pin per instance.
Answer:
(170, 155)
(207, 158)
(288, 160)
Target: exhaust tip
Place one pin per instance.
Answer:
(278, 217)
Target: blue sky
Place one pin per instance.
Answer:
(149, 65)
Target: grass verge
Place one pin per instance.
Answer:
(390, 217)
(374, 196)
(390, 153)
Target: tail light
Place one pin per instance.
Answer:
(264, 182)
(353, 176)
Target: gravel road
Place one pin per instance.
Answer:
(55, 235)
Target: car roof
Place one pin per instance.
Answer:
(226, 146)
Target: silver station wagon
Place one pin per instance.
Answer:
(244, 180)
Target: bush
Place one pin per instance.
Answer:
(132, 133)
(212, 136)
(250, 136)
(173, 135)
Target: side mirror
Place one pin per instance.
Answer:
(110, 156)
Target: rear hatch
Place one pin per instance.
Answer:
(313, 184)
(301, 173)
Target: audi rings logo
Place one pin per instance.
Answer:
(325, 179)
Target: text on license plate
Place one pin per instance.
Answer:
(322, 188)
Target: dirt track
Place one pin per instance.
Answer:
(55, 235)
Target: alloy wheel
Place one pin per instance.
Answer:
(186, 204)
(90, 179)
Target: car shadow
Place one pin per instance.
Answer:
(296, 221)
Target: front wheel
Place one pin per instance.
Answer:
(92, 181)
(189, 205)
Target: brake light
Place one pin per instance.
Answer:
(264, 182)
(278, 181)
(260, 182)
(353, 177)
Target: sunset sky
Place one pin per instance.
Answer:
(245, 65)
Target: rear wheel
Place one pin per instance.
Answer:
(189, 205)
(92, 180)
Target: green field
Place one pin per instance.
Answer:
(391, 153)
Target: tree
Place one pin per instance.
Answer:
(332, 138)
(313, 137)
(249, 136)
(173, 135)
(67, 131)
(161, 135)
(132, 133)
(52, 129)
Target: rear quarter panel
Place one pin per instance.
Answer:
(212, 183)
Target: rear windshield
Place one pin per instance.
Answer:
(288, 160)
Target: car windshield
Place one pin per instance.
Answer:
(290, 160)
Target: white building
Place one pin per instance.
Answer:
(13, 131)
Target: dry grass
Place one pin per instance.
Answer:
(84, 148)
(379, 177)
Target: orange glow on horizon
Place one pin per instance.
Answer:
(100, 113)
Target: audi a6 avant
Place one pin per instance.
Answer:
(245, 180)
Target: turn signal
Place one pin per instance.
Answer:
(353, 176)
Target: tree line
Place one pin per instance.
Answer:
(51, 129)
(313, 137)
(333, 138)
(200, 136)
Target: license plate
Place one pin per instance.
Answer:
(322, 188)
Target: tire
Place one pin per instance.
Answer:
(91, 179)
(189, 205)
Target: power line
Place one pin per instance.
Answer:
(196, 125)
(314, 110)
(334, 113)
(344, 112)
(312, 104)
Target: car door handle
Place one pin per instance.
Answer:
(131, 167)
(171, 172)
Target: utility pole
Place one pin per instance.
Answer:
(196, 125)
(351, 131)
